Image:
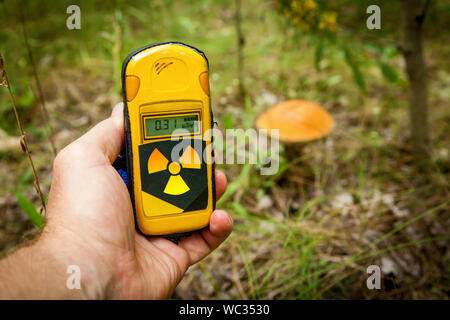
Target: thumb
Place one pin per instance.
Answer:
(106, 137)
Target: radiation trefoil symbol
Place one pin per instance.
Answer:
(175, 185)
(176, 178)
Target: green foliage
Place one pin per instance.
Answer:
(317, 20)
(30, 210)
(318, 54)
(356, 69)
(388, 72)
(228, 121)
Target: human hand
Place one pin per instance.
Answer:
(90, 224)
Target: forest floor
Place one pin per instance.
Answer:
(352, 200)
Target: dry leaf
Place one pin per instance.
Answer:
(23, 143)
(2, 73)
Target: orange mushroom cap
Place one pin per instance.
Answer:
(297, 120)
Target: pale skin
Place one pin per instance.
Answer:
(90, 224)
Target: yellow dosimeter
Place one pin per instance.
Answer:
(168, 121)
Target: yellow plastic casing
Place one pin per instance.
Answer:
(158, 80)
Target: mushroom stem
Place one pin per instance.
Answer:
(293, 152)
(300, 172)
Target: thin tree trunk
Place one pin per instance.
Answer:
(40, 92)
(414, 13)
(240, 47)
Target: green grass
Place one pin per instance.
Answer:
(303, 252)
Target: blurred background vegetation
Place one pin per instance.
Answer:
(375, 191)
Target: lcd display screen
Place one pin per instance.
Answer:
(163, 126)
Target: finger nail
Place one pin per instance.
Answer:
(117, 109)
(230, 219)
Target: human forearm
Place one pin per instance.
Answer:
(40, 272)
(28, 273)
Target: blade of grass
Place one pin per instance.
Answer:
(30, 210)
(361, 256)
(247, 269)
(210, 278)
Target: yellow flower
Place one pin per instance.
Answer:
(321, 25)
(330, 17)
(328, 21)
(310, 5)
